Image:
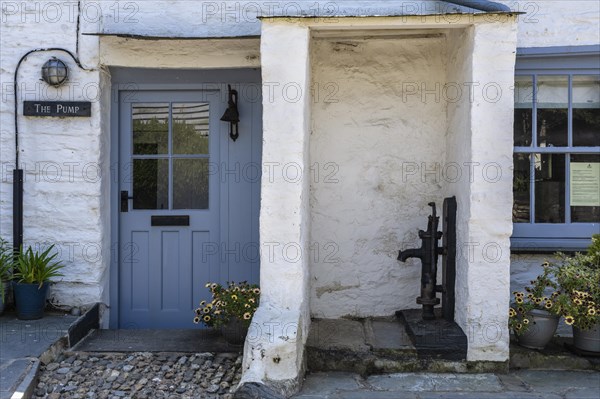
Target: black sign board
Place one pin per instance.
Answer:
(57, 108)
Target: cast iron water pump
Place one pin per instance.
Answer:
(428, 253)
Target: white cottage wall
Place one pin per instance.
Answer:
(376, 147)
(64, 159)
(557, 22)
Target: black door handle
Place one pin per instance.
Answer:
(124, 201)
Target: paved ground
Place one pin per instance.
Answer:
(526, 384)
(22, 342)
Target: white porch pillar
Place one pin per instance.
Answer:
(486, 249)
(274, 349)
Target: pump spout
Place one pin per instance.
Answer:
(410, 253)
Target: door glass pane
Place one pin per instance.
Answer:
(552, 110)
(586, 111)
(521, 207)
(150, 184)
(584, 188)
(549, 188)
(190, 183)
(190, 128)
(150, 128)
(523, 110)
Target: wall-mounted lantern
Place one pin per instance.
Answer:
(55, 72)
(232, 114)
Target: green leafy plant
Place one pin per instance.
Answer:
(235, 301)
(541, 294)
(6, 264)
(32, 267)
(579, 279)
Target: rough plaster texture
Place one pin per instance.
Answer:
(277, 357)
(490, 208)
(368, 200)
(63, 159)
(557, 22)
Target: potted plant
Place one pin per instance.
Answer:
(532, 316)
(579, 301)
(32, 274)
(6, 257)
(231, 309)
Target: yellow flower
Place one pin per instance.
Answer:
(198, 311)
(202, 303)
(210, 305)
(525, 321)
(206, 310)
(246, 305)
(196, 320)
(569, 320)
(537, 301)
(512, 312)
(247, 316)
(519, 300)
(592, 311)
(217, 312)
(213, 285)
(548, 305)
(207, 285)
(256, 291)
(577, 301)
(206, 318)
(252, 300)
(234, 297)
(545, 264)
(519, 327)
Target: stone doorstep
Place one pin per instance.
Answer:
(381, 345)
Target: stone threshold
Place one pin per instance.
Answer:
(381, 345)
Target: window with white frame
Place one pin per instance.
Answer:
(556, 182)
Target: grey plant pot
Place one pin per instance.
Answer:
(542, 326)
(587, 340)
(235, 331)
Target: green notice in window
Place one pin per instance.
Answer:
(585, 184)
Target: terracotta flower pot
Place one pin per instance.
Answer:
(235, 331)
(587, 340)
(542, 326)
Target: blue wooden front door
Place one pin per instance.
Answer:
(188, 202)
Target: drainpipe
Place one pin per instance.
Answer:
(482, 5)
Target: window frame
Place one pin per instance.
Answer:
(558, 61)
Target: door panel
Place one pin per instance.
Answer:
(176, 159)
(168, 138)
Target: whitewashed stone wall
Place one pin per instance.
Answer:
(377, 146)
(65, 159)
(549, 23)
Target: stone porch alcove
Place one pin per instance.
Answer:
(392, 113)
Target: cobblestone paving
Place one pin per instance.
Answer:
(140, 375)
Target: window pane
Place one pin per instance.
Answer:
(190, 183)
(523, 110)
(585, 190)
(190, 128)
(549, 188)
(521, 206)
(552, 110)
(150, 184)
(586, 111)
(150, 128)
